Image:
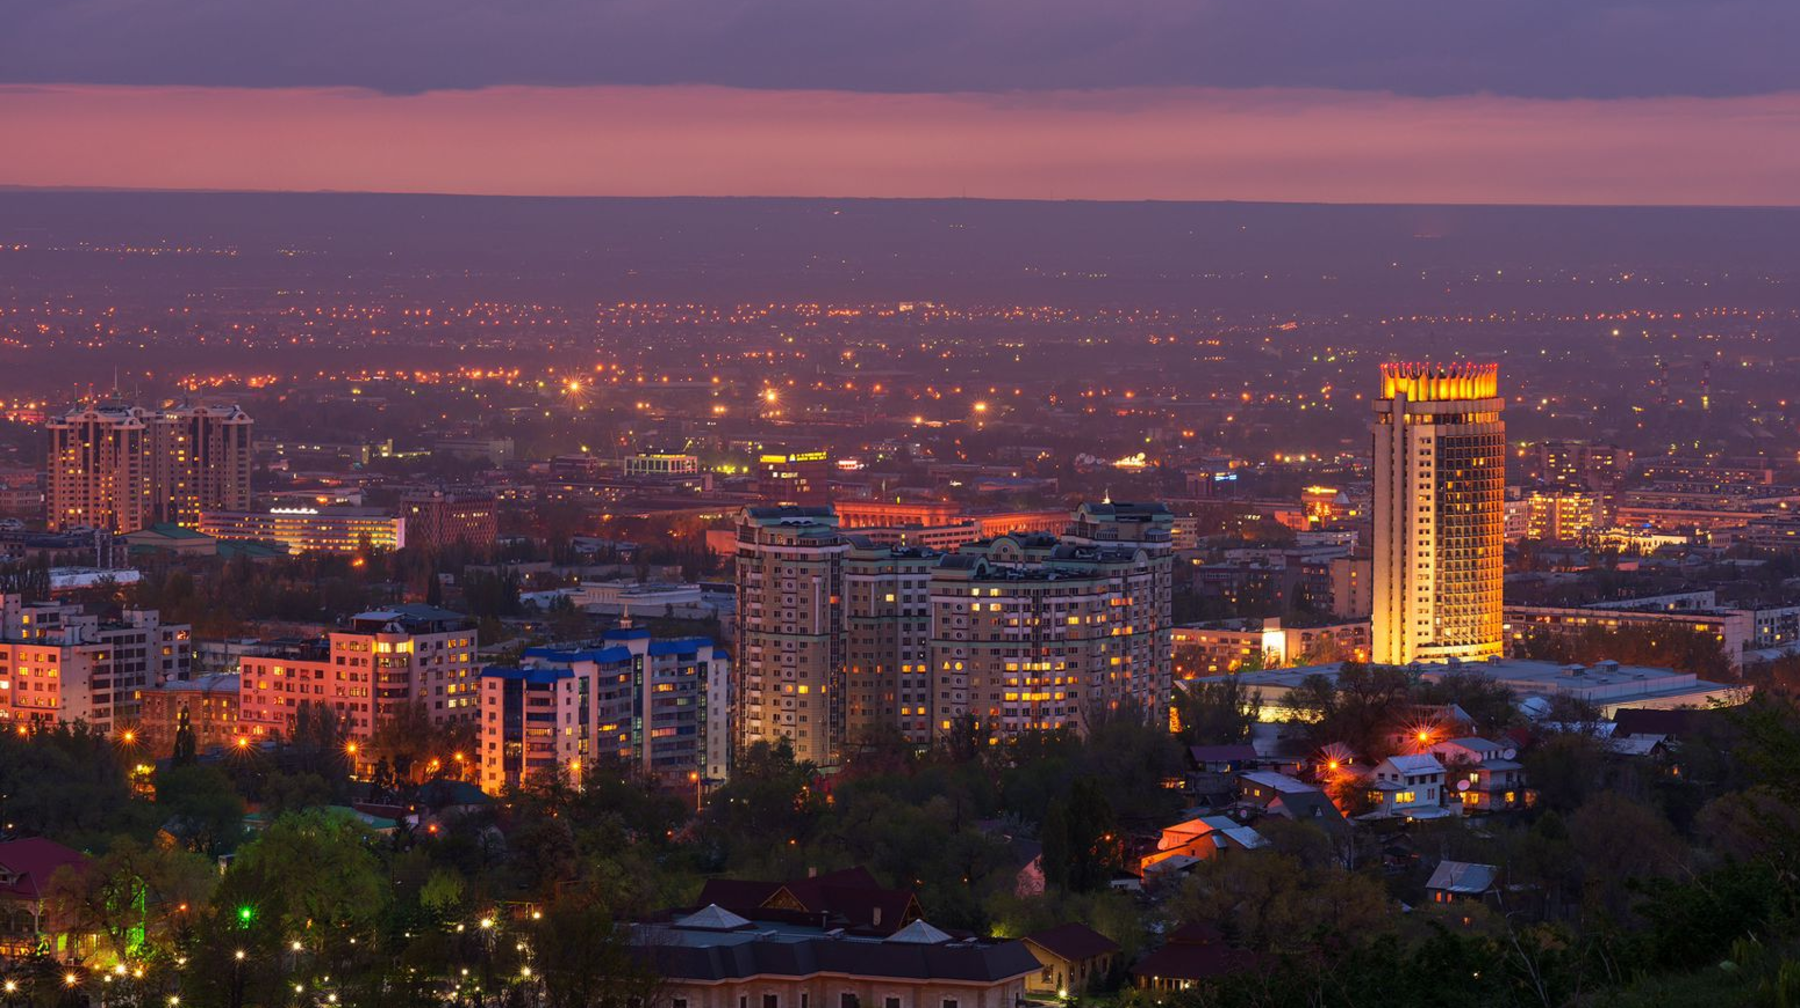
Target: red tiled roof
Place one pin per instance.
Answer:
(30, 863)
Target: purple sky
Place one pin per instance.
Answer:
(1342, 100)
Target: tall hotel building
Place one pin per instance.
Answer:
(122, 468)
(1440, 481)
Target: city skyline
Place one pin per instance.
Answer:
(949, 504)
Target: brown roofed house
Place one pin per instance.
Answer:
(1194, 954)
(1075, 957)
(850, 899)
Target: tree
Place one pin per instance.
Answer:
(1081, 845)
(309, 870)
(1486, 700)
(202, 810)
(65, 781)
(584, 959)
(1617, 840)
(184, 754)
(1267, 899)
(1217, 713)
(418, 748)
(132, 895)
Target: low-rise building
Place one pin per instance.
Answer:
(1075, 959)
(1607, 685)
(1406, 787)
(1194, 955)
(29, 919)
(1482, 774)
(1462, 882)
(310, 529)
(714, 958)
(210, 703)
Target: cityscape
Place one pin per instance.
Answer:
(864, 554)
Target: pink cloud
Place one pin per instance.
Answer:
(1202, 144)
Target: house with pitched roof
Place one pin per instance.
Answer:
(714, 958)
(1075, 958)
(27, 920)
(1199, 839)
(1194, 955)
(1481, 774)
(1462, 881)
(1406, 787)
(850, 899)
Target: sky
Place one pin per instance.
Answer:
(1463, 101)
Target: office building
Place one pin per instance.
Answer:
(657, 706)
(60, 663)
(380, 663)
(122, 468)
(1440, 480)
(794, 477)
(661, 464)
(441, 519)
(310, 529)
(1222, 646)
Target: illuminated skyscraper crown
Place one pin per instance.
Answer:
(1429, 382)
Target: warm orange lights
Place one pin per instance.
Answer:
(1427, 382)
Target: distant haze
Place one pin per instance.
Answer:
(1673, 102)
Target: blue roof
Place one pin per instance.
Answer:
(532, 676)
(626, 633)
(603, 656)
(684, 646)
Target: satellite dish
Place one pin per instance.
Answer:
(1462, 785)
(1509, 753)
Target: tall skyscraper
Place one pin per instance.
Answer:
(1440, 521)
(122, 468)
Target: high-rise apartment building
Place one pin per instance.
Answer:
(366, 673)
(842, 640)
(789, 672)
(887, 640)
(122, 468)
(1034, 632)
(1440, 484)
(657, 705)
